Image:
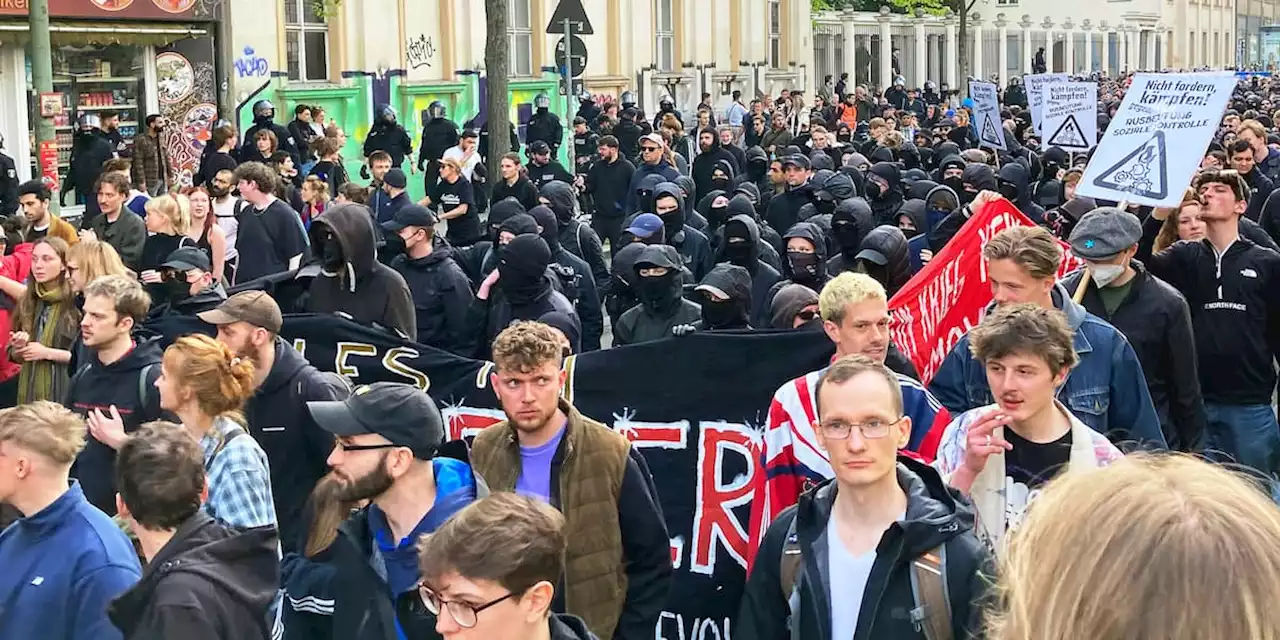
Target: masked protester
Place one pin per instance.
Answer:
(519, 289)
(1062, 220)
(913, 221)
(795, 307)
(1048, 190)
(576, 281)
(351, 279)
(693, 245)
(715, 208)
(576, 236)
(884, 191)
(189, 285)
(884, 257)
(725, 298)
(850, 223)
(441, 292)
(977, 178)
(742, 248)
(479, 259)
(621, 296)
(659, 286)
(1014, 184)
(805, 263)
(388, 135)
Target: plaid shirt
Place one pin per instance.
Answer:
(239, 478)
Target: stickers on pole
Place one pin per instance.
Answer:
(986, 114)
(1035, 85)
(1071, 115)
(1160, 112)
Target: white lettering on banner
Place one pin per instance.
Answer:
(1160, 112)
(677, 552)
(1035, 85)
(392, 361)
(697, 629)
(716, 497)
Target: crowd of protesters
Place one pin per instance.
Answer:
(219, 486)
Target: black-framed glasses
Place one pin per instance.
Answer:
(647, 149)
(807, 315)
(364, 447)
(464, 614)
(873, 429)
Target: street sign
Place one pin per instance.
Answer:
(576, 14)
(575, 90)
(578, 62)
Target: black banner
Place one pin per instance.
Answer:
(694, 406)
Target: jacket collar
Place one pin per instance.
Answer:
(568, 442)
(52, 516)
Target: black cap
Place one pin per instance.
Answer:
(396, 178)
(470, 133)
(188, 258)
(411, 215)
(796, 160)
(539, 146)
(403, 414)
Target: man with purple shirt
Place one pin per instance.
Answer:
(618, 568)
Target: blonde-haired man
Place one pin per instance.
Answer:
(64, 561)
(855, 316)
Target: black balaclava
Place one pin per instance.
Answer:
(550, 227)
(980, 176)
(716, 216)
(735, 283)
(326, 248)
(807, 268)
(659, 294)
(851, 222)
(523, 270)
(562, 199)
(739, 253)
(499, 212)
(622, 274)
(672, 221)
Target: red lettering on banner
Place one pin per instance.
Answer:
(714, 522)
(467, 422)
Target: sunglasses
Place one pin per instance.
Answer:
(648, 149)
(807, 315)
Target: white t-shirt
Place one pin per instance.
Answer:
(848, 574)
(224, 212)
(468, 167)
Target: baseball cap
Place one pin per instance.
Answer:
(470, 133)
(188, 258)
(1105, 232)
(411, 215)
(871, 255)
(403, 414)
(796, 160)
(654, 138)
(645, 225)
(396, 178)
(539, 146)
(254, 307)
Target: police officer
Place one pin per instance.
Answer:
(8, 183)
(438, 135)
(544, 125)
(628, 99)
(585, 142)
(387, 135)
(587, 108)
(666, 105)
(264, 114)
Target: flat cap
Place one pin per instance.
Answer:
(1104, 232)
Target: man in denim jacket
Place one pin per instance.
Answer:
(1106, 390)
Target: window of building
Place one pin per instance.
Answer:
(1006, 3)
(520, 28)
(306, 41)
(775, 34)
(665, 40)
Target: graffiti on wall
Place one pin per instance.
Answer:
(420, 51)
(251, 65)
(188, 96)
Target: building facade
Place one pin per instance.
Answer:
(1256, 46)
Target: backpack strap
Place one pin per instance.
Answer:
(75, 380)
(142, 385)
(932, 615)
(789, 565)
(234, 433)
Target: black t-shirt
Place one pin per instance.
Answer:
(36, 234)
(1027, 466)
(266, 241)
(464, 230)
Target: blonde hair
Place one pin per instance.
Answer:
(220, 381)
(846, 289)
(1152, 547)
(46, 428)
(175, 208)
(318, 187)
(526, 345)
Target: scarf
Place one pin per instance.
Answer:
(45, 379)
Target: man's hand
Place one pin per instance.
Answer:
(483, 292)
(150, 276)
(87, 235)
(925, 256)
(682, 330)
(981, 441)
(107, 428)
(984, 197)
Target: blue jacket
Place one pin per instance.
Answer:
(1106, 390)
(668, 173)
(60, 568)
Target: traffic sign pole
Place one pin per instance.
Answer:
(568, 90)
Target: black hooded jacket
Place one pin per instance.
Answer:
(763, 275)
(523, 292)
(208, 581)
(391, 138)
(662, 303)
(621, 297)
(576, 238)
(586, 296)
(438, 134)
(88, 153)
(705, 164)
(369, 291)
(784, 208)
(936, 516)
(979, 176)
(740, 205)
(815, 275)
(734, 282)
(1018, 175)
(128, 384)
(693, 245)
(885, 206)
(441, 296)
(850, 224)
(889, 242)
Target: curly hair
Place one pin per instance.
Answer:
(1026, 329)
(526, 345)
(220, 381)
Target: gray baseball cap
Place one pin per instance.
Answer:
(1105, 232)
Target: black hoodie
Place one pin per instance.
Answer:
(850, 224)
(1018, 175)
(747, 255)
(523, 291)
(369, 291)
(814, 265)
(887, 244)
(208, 581)
(770, 241)
(735, 283)
(885, 205)
(576, 238)
(621, 297)
(569, 268)
(441, 296)
(705, 164)
(662, 304)
(693, 245)
(936, 515)
(982, 178)
(473, 259)
(128, 384)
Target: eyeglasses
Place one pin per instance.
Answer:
(364, 447)
(462, 613)
(807, 315)
(648, 149)
(872, 429)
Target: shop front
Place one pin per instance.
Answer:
(117, 60)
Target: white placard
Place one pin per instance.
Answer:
(1161, 112)
(1035, 96)
(986, 114)
(1071, 115)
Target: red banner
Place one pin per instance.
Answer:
(939, 305)
(48, 156)
(117, 9)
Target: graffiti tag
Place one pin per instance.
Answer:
(251, 65)
(420, 51)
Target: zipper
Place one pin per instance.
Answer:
(1217, 257)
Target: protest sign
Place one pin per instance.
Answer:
(1035, 85)
(1071, 115)
(941, 303)
(1160, 112)
(986, 114)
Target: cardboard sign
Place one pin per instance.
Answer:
(1071, 115)
(986, 114)
(1036, 96)
(1160, 113)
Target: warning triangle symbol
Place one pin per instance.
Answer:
(1068, 135)
(1143, 171)
(989, 134)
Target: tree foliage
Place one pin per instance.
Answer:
(934, 7)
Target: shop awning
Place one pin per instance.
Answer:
(79, 33)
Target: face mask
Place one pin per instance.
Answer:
(1009, 190)
(720, 184)
(331, 256)
(804, 266)
(967, 196)
(719, 313)
(955, 183)
(935, 216)
(847, 237)
(824, 207)
(178, 289)
(1104, 274)
(738, 253)
(673, 223)
(657, 293)
(716, 216)
(520, 288)
(617, 304)
(873, 190)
